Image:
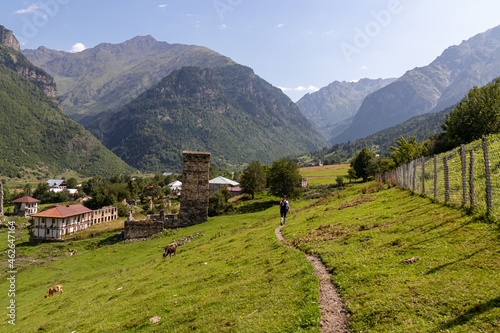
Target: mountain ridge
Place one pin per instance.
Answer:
(332, 108)
(229, 111)
(431, 88)
(37, 137)
(99, 80)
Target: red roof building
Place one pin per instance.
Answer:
(59, 221)
(25, 206)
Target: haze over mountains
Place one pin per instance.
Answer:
(332, 108)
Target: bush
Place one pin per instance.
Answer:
(218, 202)
(123, 209)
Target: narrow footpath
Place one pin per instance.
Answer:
(333, 316)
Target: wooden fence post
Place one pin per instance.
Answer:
(446, 180)
(488, 176)
(414, 181)
(463, 159)
(435, 178)
(472, 193)
(423, 175)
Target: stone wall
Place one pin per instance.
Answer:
(1, 199)
(195, 188)
(142, 229)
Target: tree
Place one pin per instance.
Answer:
(351, 174)
(477, 115)
(363, 164)
(284, 176)
(71, 183)
(407, 151)
(253, 179)
(213, 172)
(218, 202)
(340, 181)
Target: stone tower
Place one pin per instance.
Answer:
(195, 190)
(1, 199)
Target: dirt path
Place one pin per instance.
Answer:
(333, 316)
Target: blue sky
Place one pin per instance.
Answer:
(299, 46)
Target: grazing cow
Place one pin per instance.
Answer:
(54, 289)
(171, 248)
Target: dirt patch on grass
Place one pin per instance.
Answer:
(333, 315)
(353, 203)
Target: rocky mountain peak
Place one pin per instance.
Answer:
(8, 39)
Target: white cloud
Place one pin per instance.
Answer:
(223, 27)
(78, 47)
(162, 6)
(363, 68)
(34, 8)
(300, 88)
(281, 25)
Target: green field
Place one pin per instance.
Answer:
(235, 277)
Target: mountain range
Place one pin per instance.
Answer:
(37, 138)
(100, 80)
(432, 88)
(229, 111)
(332, 108)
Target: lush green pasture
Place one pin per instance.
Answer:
(363, 239)
(325, 171)
(324, 175)
(232, 277)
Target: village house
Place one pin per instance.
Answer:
(219, 182)
(58, 221)
(175, 186)
(57, 184)
(72, 192)
(25, 206)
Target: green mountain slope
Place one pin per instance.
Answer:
(228, 111)
(99, 80)
(431, 88)
(332, 108)
(421, 127)
(36, 135)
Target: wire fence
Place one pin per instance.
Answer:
(468, 176)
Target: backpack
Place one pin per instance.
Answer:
(284, 205)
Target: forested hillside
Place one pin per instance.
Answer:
(420, 127)
(228, 111)
(37, 138)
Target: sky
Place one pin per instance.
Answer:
(298, 46)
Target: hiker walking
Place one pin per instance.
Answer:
(284, 207)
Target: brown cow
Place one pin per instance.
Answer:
(171, 248)
(54, 289)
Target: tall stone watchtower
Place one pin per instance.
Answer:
(195, 190)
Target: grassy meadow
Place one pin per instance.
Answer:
(233, 276)
(324, 175)
(364, 234)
